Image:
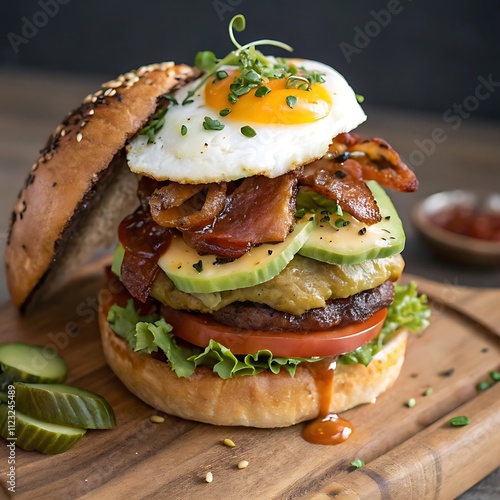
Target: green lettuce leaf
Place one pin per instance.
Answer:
(148, 334)
(408, 310)
(123, 321)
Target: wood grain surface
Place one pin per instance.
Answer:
(409, 452)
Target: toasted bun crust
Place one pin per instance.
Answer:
(264, 400)
(75, 172)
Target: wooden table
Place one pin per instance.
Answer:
(32, 105)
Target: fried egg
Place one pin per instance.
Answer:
(268, 135)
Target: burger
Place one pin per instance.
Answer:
(254, 279)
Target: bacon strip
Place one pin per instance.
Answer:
(378, 160)
(344, 184)
(260, 210)
(178, 205)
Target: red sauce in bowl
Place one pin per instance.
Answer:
(468, 222)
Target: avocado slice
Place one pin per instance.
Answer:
(194, 273)
(345, 240)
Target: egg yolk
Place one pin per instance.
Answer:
(310, 105)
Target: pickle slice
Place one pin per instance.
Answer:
(30, 363)
(64, 405)
(32, 434)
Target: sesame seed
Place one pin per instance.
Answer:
(63, 133)
(108, 91)
(229, 442)
(87, 99)
(243, 464)
(82, 124)
(34, 166)
(113, 84)
(91, 112)
(79, 137)
(157, 419)
(94, 99)
(209, 477)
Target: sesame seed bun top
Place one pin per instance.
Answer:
(80, 187)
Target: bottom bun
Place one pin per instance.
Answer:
(263, 400)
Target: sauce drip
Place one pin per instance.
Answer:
(327, 428)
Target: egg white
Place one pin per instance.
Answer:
(203, 156)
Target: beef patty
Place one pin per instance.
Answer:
(338, 312)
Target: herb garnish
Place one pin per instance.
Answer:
(341, 223)
(358, 463)
(198, 266)
(262, 91)
(255, 68)
(170, 98)
(211, 124)
(300, 213)
(224, 112)
(291, 100)
(460, 421)
(184, 130)
(154, 125)
(248, 131)
(411, 402)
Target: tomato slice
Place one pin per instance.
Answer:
(199, 329)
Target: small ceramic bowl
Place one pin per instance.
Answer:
(453, 246)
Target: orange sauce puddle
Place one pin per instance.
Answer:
(327, 428)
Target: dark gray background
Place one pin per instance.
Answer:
(428, 56)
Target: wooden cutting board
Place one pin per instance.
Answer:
(409, 452)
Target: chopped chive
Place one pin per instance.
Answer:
(291, 101)
(325, 218)
(262, 91)
(300, 213)
(184, 130)
(495, 376)
(411, 402)
(482, 386)
(232, 98)
(248, 131)
(221, 74)
(358, 463)
(224, 112)
(198, 266)
(188, 99)
(428, 391)
(360, 98)
(460, 421)
(211, 124)
(341, 223)
(170, 98)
